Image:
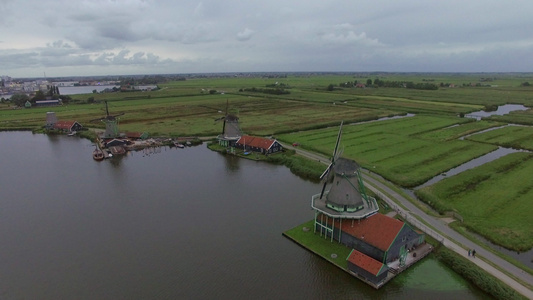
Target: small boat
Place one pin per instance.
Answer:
(179, 145)
(73, 133)
(98, 154)
(117, 150)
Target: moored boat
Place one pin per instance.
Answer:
(98, 154)
(117, 150)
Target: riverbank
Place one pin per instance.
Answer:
(298, 165)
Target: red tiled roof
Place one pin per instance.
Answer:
(64, 124)
(256, 142)
(377, 230)
(134, 134)
(365, 262)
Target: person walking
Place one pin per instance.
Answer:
(469, 251)
(474, 253)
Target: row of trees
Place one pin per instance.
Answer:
(277, 91)
(391, 84)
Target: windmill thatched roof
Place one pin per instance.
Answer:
(232, 118)
(345, 186)
(345, 166)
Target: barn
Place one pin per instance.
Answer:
(258, 144)
(367, 267)
(380, 237)
(68, 126)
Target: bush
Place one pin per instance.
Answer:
(477, 276)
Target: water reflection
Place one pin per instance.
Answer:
(502, 110)
(231, 162)
(165, 226)
(476, 162)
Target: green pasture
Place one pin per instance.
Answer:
(407, 151)
(524, 117)
(493, 199)
(518, 137)
(468, 99)
(459, 130)
(319, 244)
(393, 148)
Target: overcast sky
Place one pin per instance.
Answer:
(105, 37)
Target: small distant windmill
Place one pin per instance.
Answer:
(231, 131)
(111, 123)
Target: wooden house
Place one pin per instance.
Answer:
(365, 266)
(114, 142)
(137, 135)
(380, 237)
(258, 144)
(68, 126)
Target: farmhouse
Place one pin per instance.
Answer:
(367, 267)
(258, 144)
(137, 135)
(68, 126)
(380, 237)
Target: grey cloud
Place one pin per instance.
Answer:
(245, 35)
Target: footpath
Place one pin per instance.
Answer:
(440, 230)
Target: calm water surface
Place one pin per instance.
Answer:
(180, 224)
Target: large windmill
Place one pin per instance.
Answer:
(111, 123)
(231, 132)
(346, 197)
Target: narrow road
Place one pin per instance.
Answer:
(450, 238)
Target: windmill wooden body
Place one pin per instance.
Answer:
(346, 197)
(231, 131)
(111, 124)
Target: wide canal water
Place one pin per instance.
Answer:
(179, 224)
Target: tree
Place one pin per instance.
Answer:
(19, 99)
(331, 87)
(368, 82)
(39, 95)
(65, 99)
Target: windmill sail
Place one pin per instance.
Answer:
(334, 157)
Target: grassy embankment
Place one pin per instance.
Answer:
(494, 200)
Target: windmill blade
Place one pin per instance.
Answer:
(337, 143)
(339, 154)
(323, 189)
(326, 172)
(227, 106)
(118, 115)
(96, 120)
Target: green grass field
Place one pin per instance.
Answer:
(394, 148)
(407, 151)
(518, 137)
(494, 199)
